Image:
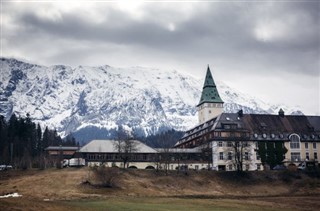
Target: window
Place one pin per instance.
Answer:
(315, 156)
(221, 155)
(258, 166)
(209, 111)
(306, 145)
(246, 155)
(247, 167)
(307, 155)
(258, 156)
(220, 144)
(229, 144)
(295, 156)
(314, 145)
(144, 157)
(229, 155)
(217, 134)
(294, 141)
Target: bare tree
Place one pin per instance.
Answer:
(167, 154)
(241, 153)
(206, 154)
(125, 146)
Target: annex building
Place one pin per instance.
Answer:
(250, 141)
(105, 152)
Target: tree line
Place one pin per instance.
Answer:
(22, 142)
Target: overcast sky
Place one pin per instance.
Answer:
(266, 49)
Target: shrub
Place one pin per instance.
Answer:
(106, 176)
(288, 176)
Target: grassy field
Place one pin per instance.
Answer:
(165, 204)
(67, 189)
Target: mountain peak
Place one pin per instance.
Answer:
(99, 99)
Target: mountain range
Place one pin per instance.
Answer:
(91, 102)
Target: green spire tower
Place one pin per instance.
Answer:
(210, 105)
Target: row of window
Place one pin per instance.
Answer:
(295, 144)
(211, 105)
(231, 144)
(230, 157)
(314, 145)
(246, 167)
(281, 136)
(295, 156)
(111, 157)
(231, 134)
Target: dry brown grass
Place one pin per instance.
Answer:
(49, 189)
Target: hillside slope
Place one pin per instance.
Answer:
(51, 189)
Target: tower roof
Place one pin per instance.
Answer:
(210, 92)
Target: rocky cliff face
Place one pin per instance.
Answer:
(93, 101)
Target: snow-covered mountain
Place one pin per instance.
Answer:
(93, 101)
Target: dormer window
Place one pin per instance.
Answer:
(263, 125)
(229, 126)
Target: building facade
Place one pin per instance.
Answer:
(105, 152)
(251, 141)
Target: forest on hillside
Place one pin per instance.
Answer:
(23, 142)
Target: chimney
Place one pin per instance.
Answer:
(240, 113)
(281, 113)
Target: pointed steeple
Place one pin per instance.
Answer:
(209, 93)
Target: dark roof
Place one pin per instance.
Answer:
(315, 123)
(210, 92)
(64, 148)
(260, 126)
(266, 123)
(197, 131)
(229, 119)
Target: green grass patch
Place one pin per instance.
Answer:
(166, 204)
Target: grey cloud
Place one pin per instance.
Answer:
(214, 30)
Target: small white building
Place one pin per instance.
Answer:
(105, 152)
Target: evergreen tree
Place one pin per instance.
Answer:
(271, 153)
(4, 144)
(22, 142)
(39, 145)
